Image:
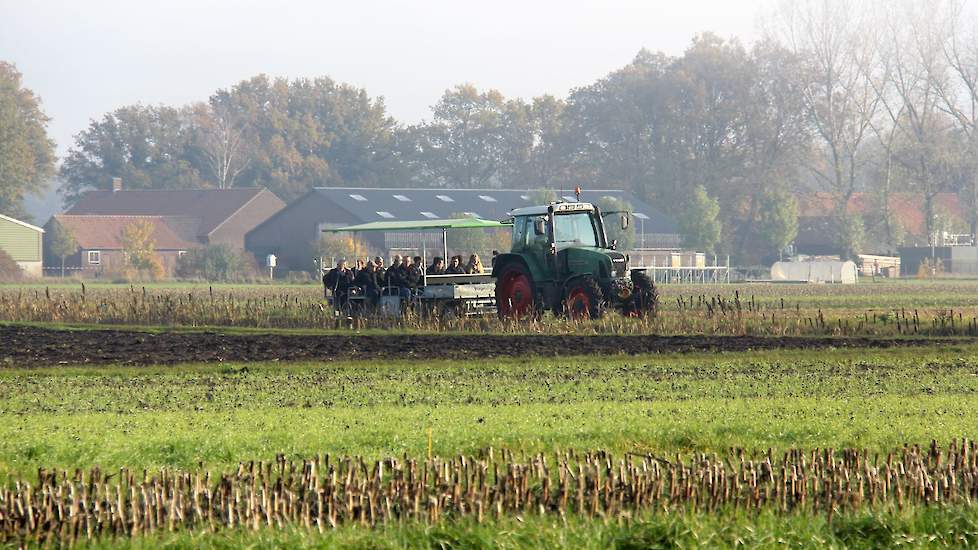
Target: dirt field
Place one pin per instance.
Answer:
(26, 346)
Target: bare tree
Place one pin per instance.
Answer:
(959, 98)
(839, 100)
(914, 39)
(219, 139)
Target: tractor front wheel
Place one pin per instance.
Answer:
(645, 297)
(514, 292)
(584, 300)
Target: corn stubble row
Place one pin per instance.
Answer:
(737, 314)
(326, 492)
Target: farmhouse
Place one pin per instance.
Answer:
(291, 234)
(24, 243)
(212, 216)
(100, 247)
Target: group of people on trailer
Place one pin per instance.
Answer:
(405, 277)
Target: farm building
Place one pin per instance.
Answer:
(210, 216)
(24, 243)
(291, 234)
(100, 248)
(818, 231)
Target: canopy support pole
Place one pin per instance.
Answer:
(444, 242)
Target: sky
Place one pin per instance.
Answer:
(85, 58)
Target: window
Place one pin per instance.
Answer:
(429, 215)
(95, 257)
(487, 198)
(444, 198)
(640, 216)
(384, 214)
(402, 198)
(576, 228)
(357, 197)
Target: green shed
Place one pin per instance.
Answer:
(23, 242)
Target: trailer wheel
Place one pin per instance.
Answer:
(514, 292)
(584, 299)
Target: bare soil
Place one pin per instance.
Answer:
(30, 346)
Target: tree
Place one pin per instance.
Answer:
(700, 224)
(26, 153)
(339, 246)
(60, 243)
(778, 223)
(463, 145)
(148, 147)
(140, 248)
(833, 39)
(850, 237)
(10, 270)
(612, 225)
(218, 262)
(219, 139)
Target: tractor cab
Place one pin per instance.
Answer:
(561, 260)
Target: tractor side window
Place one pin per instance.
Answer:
(577, 228)
(519, 234)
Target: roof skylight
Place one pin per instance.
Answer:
(444, 198)
(357, 197)
(487, 198)
(429, 215)
(640, 216)
(385, 214)
(402, 198)
(569, 198)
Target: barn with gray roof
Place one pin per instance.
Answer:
(291, 234)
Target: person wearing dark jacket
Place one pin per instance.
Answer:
(392, 280)
(338, 280)
(366, 279)
(437, 267)
(415, 276)
(455, 266)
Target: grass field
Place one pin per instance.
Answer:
(196, 417)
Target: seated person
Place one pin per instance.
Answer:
(455, 266)
(437, 267)
(338, 280)
(474, 265)
(367, 281)
(415, 275)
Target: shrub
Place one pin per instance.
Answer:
(9, 269)
(218, 262)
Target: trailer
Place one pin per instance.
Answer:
(443, 295)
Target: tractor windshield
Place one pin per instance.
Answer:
(575, 228)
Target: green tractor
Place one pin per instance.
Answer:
(561, 261)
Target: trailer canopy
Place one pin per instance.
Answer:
(454, 223)
(421, 225)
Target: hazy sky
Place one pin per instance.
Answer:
(87, 57)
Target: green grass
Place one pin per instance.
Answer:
(930, 527)
(220, 414)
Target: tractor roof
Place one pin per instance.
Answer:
(558, 208)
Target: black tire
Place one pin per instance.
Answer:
(645, 297)
(583, 299)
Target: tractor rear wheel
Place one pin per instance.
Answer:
(514, 292)
(584, 299)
